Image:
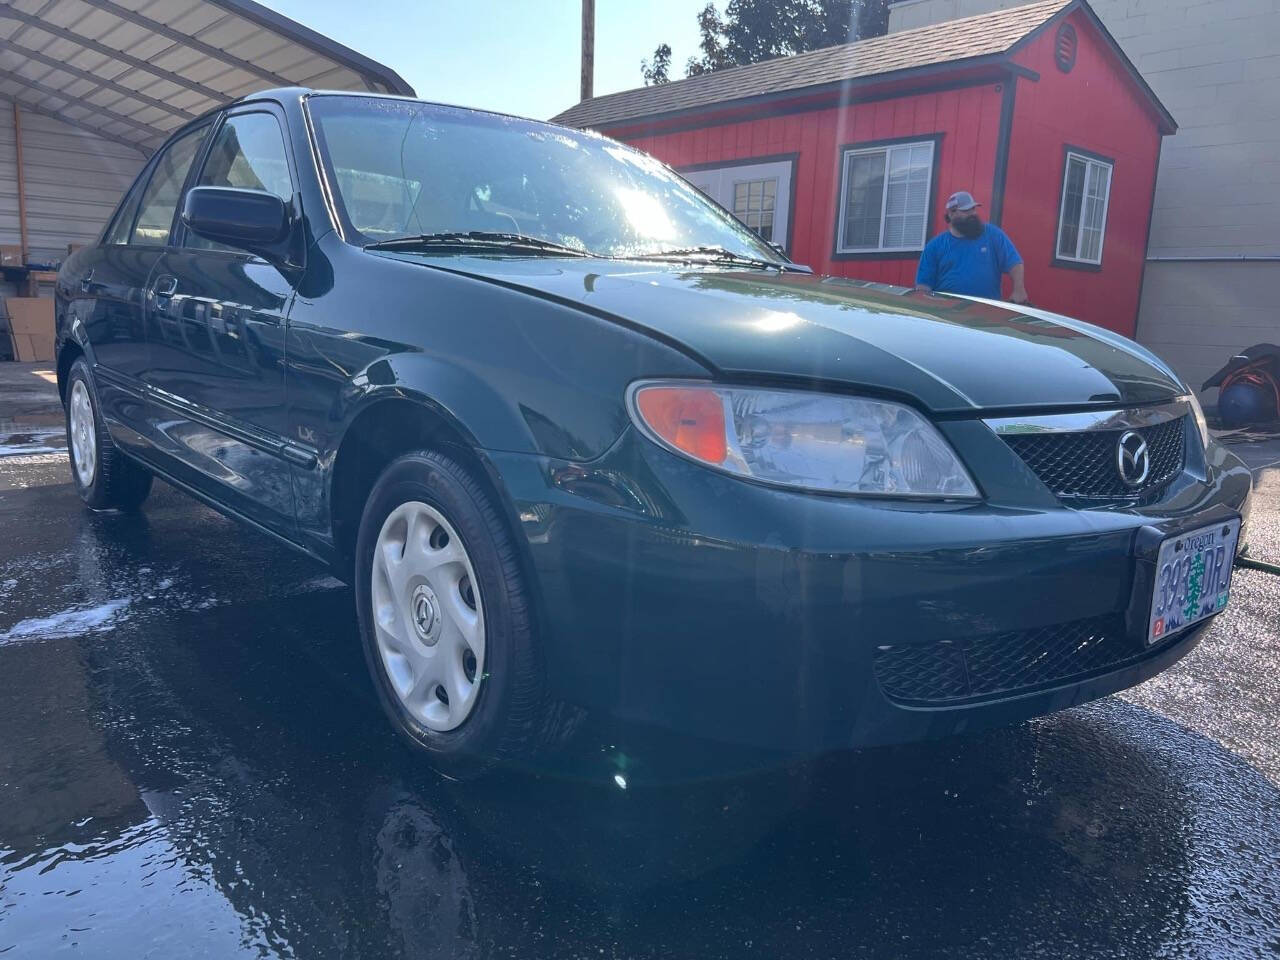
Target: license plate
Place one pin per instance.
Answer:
(1193, 578)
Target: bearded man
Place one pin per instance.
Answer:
(971, 256)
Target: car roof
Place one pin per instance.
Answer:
(286, 94)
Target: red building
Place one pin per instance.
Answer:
(846, 155)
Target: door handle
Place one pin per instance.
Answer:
(165, 286)
(86, 281)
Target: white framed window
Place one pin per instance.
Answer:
(884, 197)
(757, 193)
(755, 203)
(1082, 216)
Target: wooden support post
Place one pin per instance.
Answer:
(22, 183)
(588, 47)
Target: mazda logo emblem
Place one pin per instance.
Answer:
(1132, 458)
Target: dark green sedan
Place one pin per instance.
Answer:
(582, 442)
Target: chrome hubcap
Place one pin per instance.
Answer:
(84, 435)
(428, 616)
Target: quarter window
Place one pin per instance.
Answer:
(123, 223)
(160, 199)
(884, 197)
(1082, 220)
(247, 152)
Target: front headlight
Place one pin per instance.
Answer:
(796, 438)
(1196, 411)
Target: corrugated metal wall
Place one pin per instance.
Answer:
(73, 182)
(8, 177)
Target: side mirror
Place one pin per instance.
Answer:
(252, 220)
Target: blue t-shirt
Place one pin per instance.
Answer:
(951, 264)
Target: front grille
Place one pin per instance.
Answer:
(1083, 464)
(1002, 663)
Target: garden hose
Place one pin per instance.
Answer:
(1252, 564)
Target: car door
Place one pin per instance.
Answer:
(216, 332)
(110, 289)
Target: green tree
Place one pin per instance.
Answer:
(658, 69)
(714, 56)
(753, 30)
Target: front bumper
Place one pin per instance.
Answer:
(672, 595)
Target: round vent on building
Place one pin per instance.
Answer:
(1064, 48)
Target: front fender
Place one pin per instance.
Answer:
(516, 371)
(511, 414)
(508, 370)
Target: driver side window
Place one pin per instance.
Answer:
(248, 152)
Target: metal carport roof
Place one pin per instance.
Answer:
(133, 70)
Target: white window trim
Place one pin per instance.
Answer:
(718, 183)
(841, 246)
(1062, 209)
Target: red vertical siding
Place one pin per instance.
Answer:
(968, 119)
(1098, 108)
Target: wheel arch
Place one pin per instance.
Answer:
(388, 426)
(71, 351)
(71, 342)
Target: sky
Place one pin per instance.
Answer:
(517, 56)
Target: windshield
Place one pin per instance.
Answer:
(401, 168)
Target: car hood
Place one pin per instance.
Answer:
(947, 353)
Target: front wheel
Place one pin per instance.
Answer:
(447, 621)
(104, 477)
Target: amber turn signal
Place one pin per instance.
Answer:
(690, 419)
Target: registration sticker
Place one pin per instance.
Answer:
(1193, 578)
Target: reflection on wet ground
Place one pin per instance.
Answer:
(192, 764)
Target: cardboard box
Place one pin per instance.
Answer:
(73, 247)
(30, 347)
(11, 255)
(30, 315)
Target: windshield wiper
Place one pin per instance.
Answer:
(711, 253)
(478, 239)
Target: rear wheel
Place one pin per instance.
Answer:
(104, 477)
(446, 619)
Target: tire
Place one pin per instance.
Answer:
(104, 477)
(425, 506)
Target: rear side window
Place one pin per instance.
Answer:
(160, 198)
(248, 152)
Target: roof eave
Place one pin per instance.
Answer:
(1168, 125)
(996, 62)
(367, 68)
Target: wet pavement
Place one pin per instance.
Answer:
(192, 764)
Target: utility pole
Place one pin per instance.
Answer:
(588, 47)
